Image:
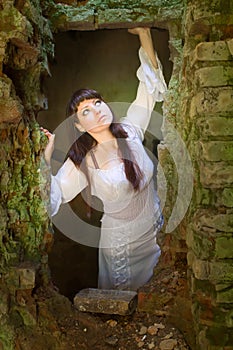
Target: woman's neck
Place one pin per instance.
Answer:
(102, 136)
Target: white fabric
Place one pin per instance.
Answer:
(127, 249)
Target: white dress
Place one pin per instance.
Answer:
(128, 250)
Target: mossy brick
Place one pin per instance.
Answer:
(216, 151)
(226, 297)
(211, 51)
(212, 101)
(202, 246)
(220, 271)
(209, 9)
(227, 197)
(216, 175)
(214, 76)
(224, 247)
(216, 126)
(218, 222)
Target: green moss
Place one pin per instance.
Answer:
(6, 337)
(227, 197)
(21, 316)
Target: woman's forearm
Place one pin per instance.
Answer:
(147, 44)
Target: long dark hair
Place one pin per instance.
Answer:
(85, 142)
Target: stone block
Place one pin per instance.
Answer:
(207, 220)
(211, 51)
(215, 151)
(224, 247)
(201, 245)
(216, 175)
(212, 101)
(200, 269)
(227, 197)
(226, 297)
(106, 301)
(214, 76)
(220, 271)
(216, 126)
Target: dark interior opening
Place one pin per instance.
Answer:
(105, 60)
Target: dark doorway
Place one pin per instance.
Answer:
(105, 60)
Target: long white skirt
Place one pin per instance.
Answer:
(127, 255)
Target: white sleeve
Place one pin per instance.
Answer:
(151, 88)
(65, 185)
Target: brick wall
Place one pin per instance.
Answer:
(204, 119)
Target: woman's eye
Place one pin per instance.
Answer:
(97, 102)
(85, 112)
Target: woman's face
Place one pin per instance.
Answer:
(94, 115)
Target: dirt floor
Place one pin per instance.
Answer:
(61, 327)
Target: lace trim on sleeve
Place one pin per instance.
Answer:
(152, 77)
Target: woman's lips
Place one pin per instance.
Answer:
(101, 118)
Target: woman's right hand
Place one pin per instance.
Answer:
(50, 145)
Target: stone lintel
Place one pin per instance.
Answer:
(106, 301)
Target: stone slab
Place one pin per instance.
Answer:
(106, 301)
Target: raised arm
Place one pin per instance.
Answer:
(151, 86)
(146, 43)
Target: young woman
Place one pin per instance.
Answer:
(110, 160)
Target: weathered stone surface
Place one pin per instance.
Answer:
(227, 197)
(71, 18)
(200, 269)
(214, 76)
(216, 175)
(220, 271)
(213, 100)
(226, 297)
(211, 51)
(27, 276)
(216, 151)
(106, 301)
(216, 126)
(10, 110)
(214, 221)
(201, 245)
(122, 18)
(224, 247)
